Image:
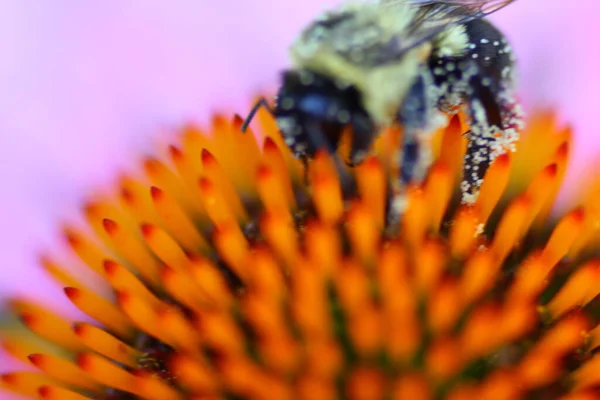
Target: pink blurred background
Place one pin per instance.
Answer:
(85, 86)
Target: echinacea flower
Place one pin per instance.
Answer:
(235, 279)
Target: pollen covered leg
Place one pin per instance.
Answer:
(495, 122)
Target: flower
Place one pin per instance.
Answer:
(232, 278)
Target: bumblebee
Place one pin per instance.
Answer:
(370, 64)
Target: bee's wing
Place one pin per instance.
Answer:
(456, 11)
(432, 17)
(451, 11)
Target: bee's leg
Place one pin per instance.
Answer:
(318, 141)
(414, 156)
(363, 134)
(495, 122)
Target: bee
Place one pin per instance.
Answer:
(370, 64)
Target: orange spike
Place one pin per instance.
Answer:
(560, 159)
(162, 177)
(177, 222)
(193, 140)
(266, 277)
(264, 315)
(182, 288)
(106, 372)
(500, 385)
(214, 201)
(100, 309)
(480, 334)
(402, 330)
(25, 383)
(102, 342)
(366, 384)
(464, 231)
(582, 287)
(530, 279)
(353, 287)
(88, 252)
(218, 329)
(57, 272)
(46, 324)
(452, 146)
(567, 335)
(588, 375)
(237, 152)
(494, 183)
(136, 201)
(443, 359)
(99, 210)
(20, 347)
(121, 279)
(193, 375)
(246, 144)
(185, 169)
(309, 299)
(589, 231)
(164, 247)
(403, 334)
(63, 371)
(281, 235)
(309, 387)
(479, 274)
(273, 158)
(324, 358)
(538, 369)
(411, 387)
(429, 265)
(143, 316)
(363, 231)
(211, 282)
(516, 319)
(50, 392)
(511, 227)
(282, 353)
(371, 181)
(152, 388)
(438, 190)
(365, 326)
(233, 247)
(181, 332)
(391, 270)
(539, 191)
(273, 194)
(444, 306)
(416, 218)
(581, 395)
(564, 235)
(326, 190)
(594, 337)
(322, 246)
(133, 250)
(213, 172)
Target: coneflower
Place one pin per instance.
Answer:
(233, 278)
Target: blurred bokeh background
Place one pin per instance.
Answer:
(85, 87)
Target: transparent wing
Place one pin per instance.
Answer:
(434, 16)
(451, 11)
(456, 11)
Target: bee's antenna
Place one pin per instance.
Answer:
(260, 103)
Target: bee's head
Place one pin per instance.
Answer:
(313, 110)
